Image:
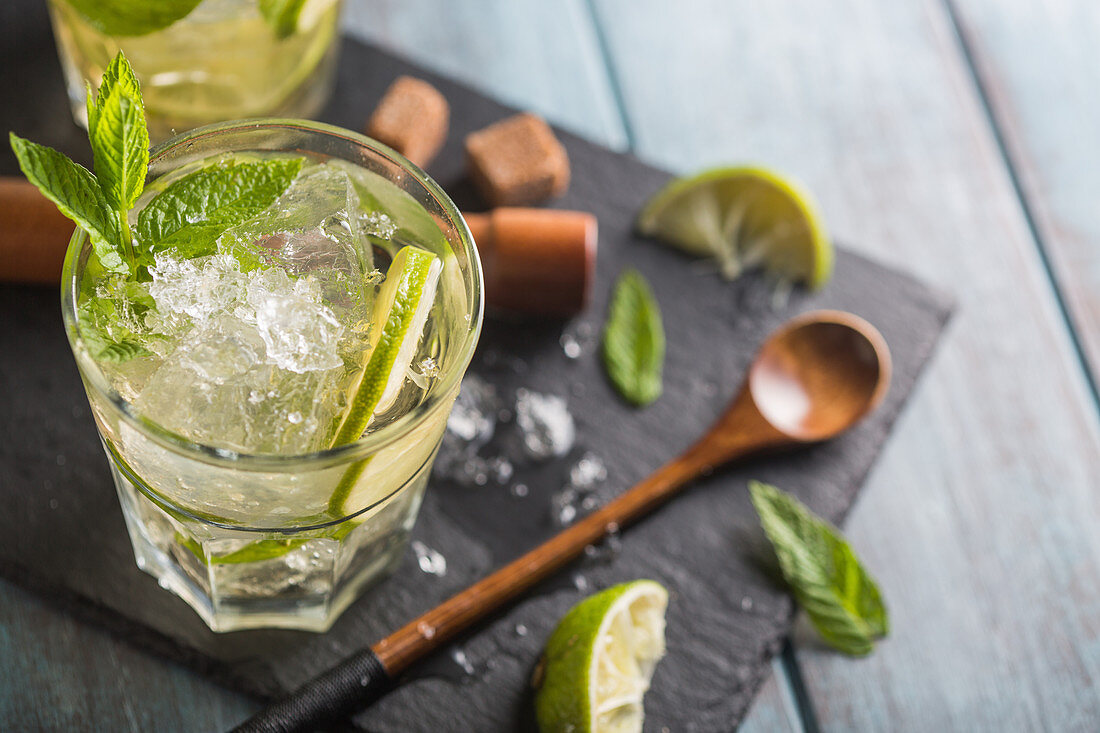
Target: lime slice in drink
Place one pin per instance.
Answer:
(400, 312)
(600, 659)
(744, 218)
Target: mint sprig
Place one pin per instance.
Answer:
(186, 217)
(120, 147)
(133, 17)
(634, 340)
(841, 599)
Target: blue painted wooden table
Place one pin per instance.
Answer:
(957, 139)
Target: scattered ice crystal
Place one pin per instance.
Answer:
(460, 658)
(577, 339)
(570, 346)
(520, 490)
(545, 423)
(430, 561)
(472, 418)
(588, 472)
(563, 507)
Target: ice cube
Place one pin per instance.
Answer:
(300, 331)
(314, 227)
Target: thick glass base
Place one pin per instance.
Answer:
(244, 580)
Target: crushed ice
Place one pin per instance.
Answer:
(545, 423)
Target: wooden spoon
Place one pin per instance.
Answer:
(816, 376)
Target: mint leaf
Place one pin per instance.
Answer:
(77, 194)
(119, 137)
(843, 602)
(634, 340)
(119, 78)
(282, 15)
(104, 326)
(192, 212)
(133, 17)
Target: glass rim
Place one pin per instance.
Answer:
(95, 379)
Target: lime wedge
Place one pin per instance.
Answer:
(744, 218)
(400, 312)
(600, 659)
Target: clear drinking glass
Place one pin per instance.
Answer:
(223, 60)
(262, 540)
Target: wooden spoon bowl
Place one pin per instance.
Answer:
(820, 373)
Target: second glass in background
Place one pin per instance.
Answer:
(220, 60)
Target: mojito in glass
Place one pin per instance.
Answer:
(203, 61)
(271, 403)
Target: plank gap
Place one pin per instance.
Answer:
(612, 75)
(795, 685)
(988, 109)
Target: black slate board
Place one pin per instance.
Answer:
(62, 533)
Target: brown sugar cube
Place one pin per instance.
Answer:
(412, 119)
(517, 161)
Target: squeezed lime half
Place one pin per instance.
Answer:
(600, 659)
(743, 217)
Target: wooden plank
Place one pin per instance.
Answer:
(61, 674)
(544, 57)
(1039, 66)
(980, 518)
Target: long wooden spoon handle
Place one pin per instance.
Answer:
(347, 687)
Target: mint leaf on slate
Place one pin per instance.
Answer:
(192, 212)
(634, 340)
(133, 17)
(841, 599)
(119, 137)
(282, 15)
(77, 194)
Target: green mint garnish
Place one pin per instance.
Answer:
(120, 145)
(133, 17)
(77, 194)
(192, 212)
(843, 602)
(282, 15)
(634, 340)
(186, 217)
(119, 137)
